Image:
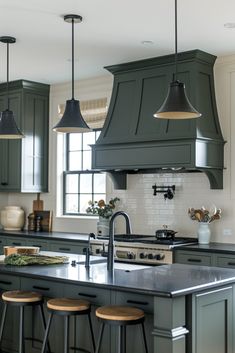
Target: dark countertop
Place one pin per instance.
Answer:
(73, 237)
(168, 280)
(225, 248)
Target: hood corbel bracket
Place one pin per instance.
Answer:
(119, 179)
(215, 177)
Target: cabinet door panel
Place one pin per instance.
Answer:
(135, 341)
(17, 241)
(11, 150)
(24, 163)
(79, 333)
(35, 145)
(212, 333)
(3, 242)
(33, 326)
(43, 245)
(68, 247)
(225, 261)
(4, 150)
(193, 258)
(10, 333)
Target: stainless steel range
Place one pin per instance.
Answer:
(144, 249)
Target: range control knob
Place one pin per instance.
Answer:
(150, 256)
(130, 255)
(159, 256)
(143, 255)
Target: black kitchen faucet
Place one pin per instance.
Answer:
(110, 260)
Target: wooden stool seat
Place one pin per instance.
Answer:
(19, 296)
(68, 308)
(20, 299)
(119, 313)
(66, 304)
(121, 316)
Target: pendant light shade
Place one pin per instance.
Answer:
(8, 126)
(72, 120)
(176, 105)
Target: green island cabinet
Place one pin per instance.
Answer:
(24, 162)
(182, 324)
(79, 333)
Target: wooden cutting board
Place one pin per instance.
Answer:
(38, 204)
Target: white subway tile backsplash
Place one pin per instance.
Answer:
(148, 212)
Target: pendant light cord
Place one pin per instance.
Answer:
(176, 44)
(7, 76)
(72, 58)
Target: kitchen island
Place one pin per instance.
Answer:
(189, 309)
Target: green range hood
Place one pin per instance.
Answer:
(133, 141)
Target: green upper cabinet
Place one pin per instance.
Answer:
(24, 163)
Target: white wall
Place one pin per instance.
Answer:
(148, 212)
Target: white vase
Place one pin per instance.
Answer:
(204, 233)
(103, 227)
(12, 218)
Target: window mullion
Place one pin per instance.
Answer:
(79, 191)
(82, 153)
(67, 151)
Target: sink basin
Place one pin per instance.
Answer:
(93, 261)
(117, 265)
(128, 267)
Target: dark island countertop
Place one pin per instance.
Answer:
(225, 248)
(73, 237)
(165, 281)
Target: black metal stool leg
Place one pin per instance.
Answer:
(120, 339)
(92, 333)
(66, 334)
(44, 325)
(123, 339)
(21, 331)
(3, 321)
(100, 338)
(144, 337)
(46, 333)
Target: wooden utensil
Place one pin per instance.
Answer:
(38, 204)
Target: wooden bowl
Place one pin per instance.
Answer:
(27, 250)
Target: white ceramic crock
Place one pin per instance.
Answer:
(12, 218)
(204, 233)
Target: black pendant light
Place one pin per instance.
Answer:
(176, 104)
(8, 127)
(72, 120)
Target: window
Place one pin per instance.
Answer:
(81, 184)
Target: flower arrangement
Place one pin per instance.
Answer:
(204, 215)
(101, 208)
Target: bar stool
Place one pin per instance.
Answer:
(121, 316)
(67, 307)
(21, 299)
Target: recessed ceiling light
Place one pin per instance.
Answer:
(147, 42)
(229, 25)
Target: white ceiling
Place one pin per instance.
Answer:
(111, 33)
